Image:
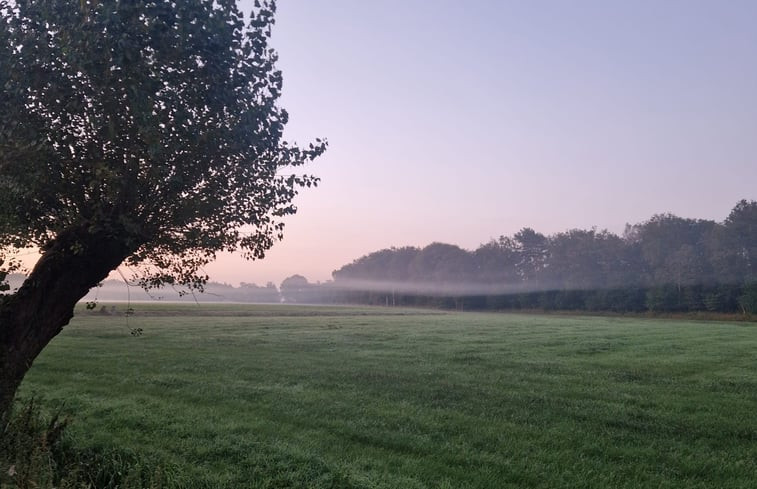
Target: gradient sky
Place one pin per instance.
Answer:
(463, 121)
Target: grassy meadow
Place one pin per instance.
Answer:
(238, 396)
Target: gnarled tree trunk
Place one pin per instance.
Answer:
(76, 261)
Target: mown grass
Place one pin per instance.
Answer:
(273, 397)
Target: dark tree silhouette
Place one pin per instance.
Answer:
(137, 131)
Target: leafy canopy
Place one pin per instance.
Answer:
(153, 122)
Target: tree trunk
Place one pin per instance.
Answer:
(76, 261)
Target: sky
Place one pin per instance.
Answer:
(459, 122)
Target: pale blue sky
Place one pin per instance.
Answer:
(462, 121)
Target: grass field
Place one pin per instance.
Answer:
(274, 396)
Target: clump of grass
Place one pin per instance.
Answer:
(30, 448)
(35, 452)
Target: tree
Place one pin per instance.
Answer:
(387, 265)
(442, 265)
(741, 235)
(580, 259)
(676, 249)
(135, 131)
(295, 289)
(533, 255)
(496, 261)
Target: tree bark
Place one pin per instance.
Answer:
(76, 261)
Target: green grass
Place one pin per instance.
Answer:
(274, 397)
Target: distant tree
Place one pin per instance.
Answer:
(255, 293)
(581, 259)
(741, 237)
(676, 249)
(388, 265)
(144, 132)
(748, 299)
(533, 252)
(496, 261)
(726, 261)
(442, 264)
(685, 266)
(295, 289)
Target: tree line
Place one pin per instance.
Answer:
(664, 264)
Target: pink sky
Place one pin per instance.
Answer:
(465, 121)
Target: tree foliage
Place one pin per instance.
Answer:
(154, 122)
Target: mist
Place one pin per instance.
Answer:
(432, 289)
(666, 263)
